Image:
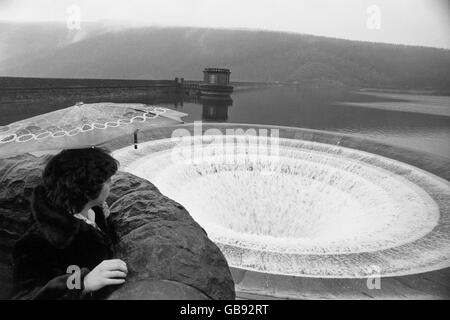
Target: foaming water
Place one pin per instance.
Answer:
(307, 209)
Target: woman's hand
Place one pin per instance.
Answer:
(106, 273)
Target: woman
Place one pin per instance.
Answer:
(67, 252)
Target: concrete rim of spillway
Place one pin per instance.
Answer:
(427, 247)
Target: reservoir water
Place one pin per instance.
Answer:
(379, 116)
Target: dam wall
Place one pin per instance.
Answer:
(25, 90)
(28, 90)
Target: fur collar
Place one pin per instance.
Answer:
(59, 227)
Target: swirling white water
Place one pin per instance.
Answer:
(307, 209)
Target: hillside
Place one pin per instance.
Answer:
(50, 50)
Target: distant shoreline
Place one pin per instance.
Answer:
(31, 89)
(405, 101)
(17, 83)
(408, 91)
(12, 82)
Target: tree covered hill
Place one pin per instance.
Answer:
(97, 51)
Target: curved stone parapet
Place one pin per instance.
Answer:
(157, 290)
(160, 240)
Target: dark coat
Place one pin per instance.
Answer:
(55, 241)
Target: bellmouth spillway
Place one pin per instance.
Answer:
(303, 208)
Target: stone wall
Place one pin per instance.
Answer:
(26, 95)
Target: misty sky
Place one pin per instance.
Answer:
(415, 22)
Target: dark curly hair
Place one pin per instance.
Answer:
(73, 177)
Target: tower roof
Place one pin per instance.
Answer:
(217, 70)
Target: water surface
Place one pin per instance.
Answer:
(361, 114)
